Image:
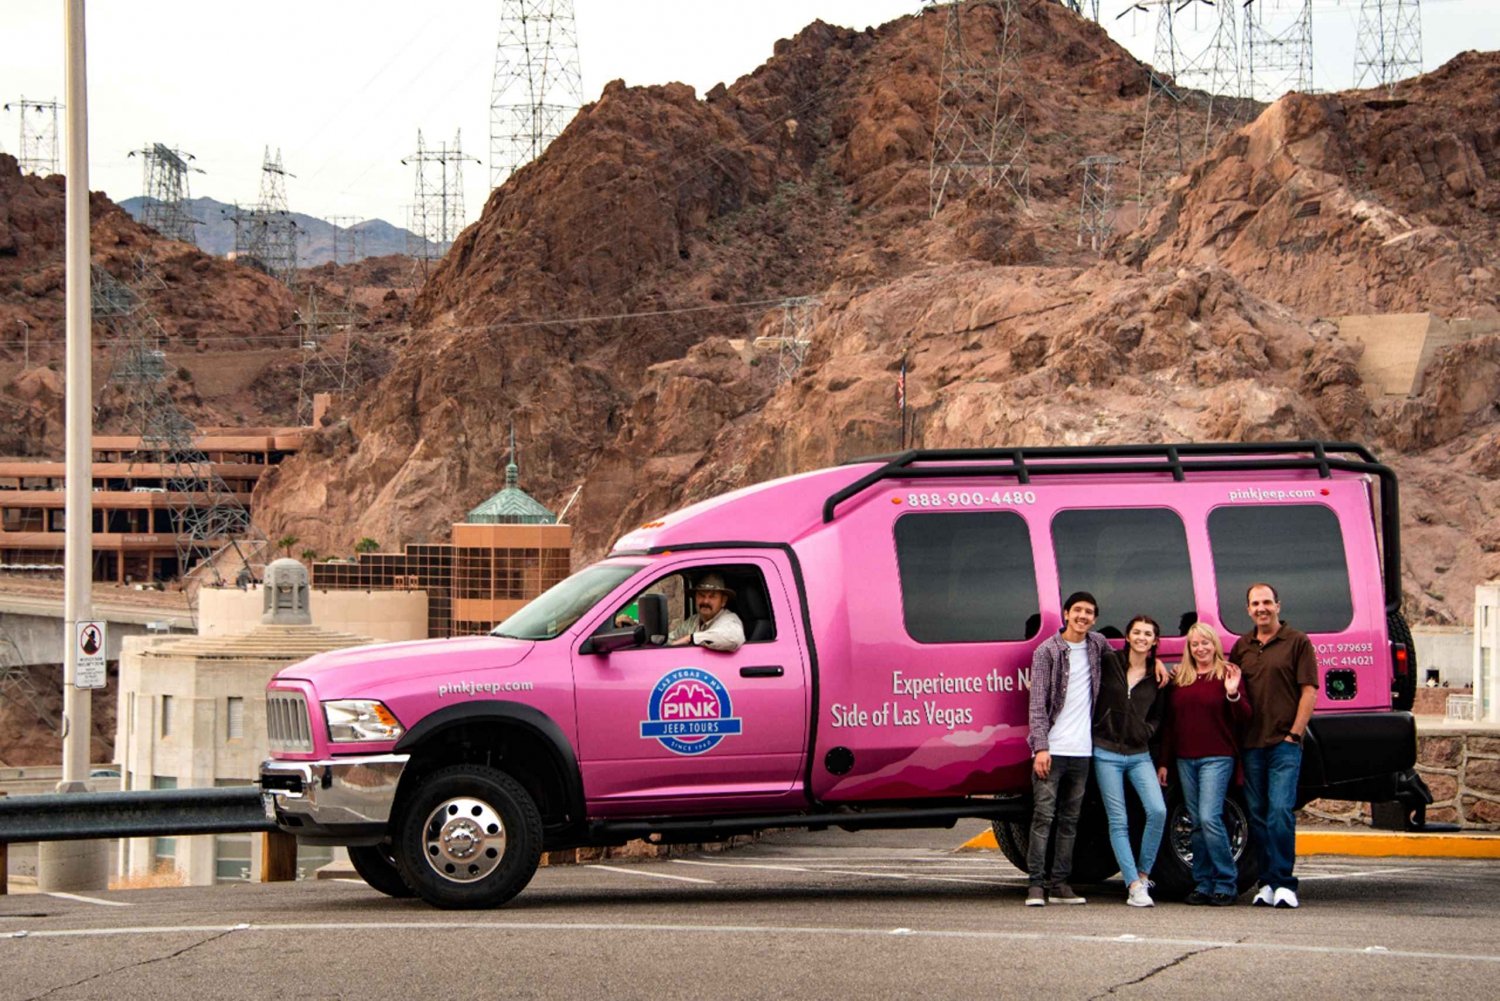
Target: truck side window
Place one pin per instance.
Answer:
(1296, 548)
(750, 601)
(1134, 560)
(967, 577)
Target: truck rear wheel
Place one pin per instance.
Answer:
(376, 865)
(468, 837)
(1403, 690)
(1173, 874)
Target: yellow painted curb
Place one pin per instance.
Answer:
(1395, 843)
(1366, 843)
(980, 841)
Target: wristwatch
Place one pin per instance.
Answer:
(1295, 738)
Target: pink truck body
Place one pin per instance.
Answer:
(885, 680)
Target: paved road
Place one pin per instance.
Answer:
(887, 915)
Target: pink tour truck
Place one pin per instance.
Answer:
(890, 609)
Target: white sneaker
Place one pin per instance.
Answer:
(1139, 895)
(1265, 897)
(1286, 897)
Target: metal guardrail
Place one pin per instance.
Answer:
(137, 813)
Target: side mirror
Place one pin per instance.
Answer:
(611, 640)
(653, 611)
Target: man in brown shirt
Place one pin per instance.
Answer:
(1281, 680)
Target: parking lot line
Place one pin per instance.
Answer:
(1372, 844)
(88, 900)
(633, 871)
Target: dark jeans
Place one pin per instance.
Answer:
(1059, 795)
(1271, 793)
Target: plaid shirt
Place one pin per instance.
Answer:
(1049, 682)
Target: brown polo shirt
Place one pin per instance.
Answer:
(1274, 675)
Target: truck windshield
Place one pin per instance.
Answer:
(560, 606)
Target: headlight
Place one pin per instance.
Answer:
(361, 719)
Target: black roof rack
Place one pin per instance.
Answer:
(1177, 459)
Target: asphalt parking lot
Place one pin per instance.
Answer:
(884, 915)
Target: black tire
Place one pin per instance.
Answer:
(1093, 859)
(376, 865)
(468, 837)
(1173, 874)
(1403, 690)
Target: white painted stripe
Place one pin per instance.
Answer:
(976, 935)
(595, 866)
(88, 900)
(740, 865)
(1352, 875)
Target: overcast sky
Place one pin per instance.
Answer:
(341, 88)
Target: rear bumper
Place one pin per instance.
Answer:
(1359, 756)
(340, 800)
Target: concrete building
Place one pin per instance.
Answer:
(136, 518)
(1487, 652)
(192, 715)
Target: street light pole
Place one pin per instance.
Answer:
(76, 865)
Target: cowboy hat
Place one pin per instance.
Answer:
(713, 582)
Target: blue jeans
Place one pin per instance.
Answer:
(1271, 793)
(1205, 783)
(1060, 796)
(1111, 770)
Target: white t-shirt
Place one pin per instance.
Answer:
(1072, 734)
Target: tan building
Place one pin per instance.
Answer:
(192, 715)
(140, 498)
(505, 552)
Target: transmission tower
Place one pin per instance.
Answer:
(1388, 46)
(538, 86)
(980, 136)
(164, 208)
(438, 213)
(39, 135)
(1161, 155)
(1278, 56)
(796, 334)
(209, 524)
(1096, 205)
(348, 242)
(265, 236)
(326, 346)
(1214, 69)
(1083, 8)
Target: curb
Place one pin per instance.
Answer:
(1365, 843)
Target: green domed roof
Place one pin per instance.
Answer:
(511, 506)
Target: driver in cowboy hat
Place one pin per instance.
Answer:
(713, 626)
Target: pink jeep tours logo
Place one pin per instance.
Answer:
(689, 712)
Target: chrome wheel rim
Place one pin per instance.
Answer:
(1236, 825)
(463, 839)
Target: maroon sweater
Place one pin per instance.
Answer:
(1200, 722)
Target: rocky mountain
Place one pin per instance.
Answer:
(609, 299)
(213, 229)
(596, 300)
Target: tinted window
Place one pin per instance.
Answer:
(967, 577)
(1297, 549)
(1134, 560)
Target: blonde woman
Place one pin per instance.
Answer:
(1205, 707)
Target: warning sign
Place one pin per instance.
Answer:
(90, 671)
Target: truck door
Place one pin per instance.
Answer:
(663, 725)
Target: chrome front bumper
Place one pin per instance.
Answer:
(311, 798)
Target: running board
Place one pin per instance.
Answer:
(679, 830)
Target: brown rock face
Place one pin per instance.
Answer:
(591, 303)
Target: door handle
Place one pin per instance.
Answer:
(762, 671)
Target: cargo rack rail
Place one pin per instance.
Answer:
(1180, 460)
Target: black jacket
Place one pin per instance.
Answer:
(1125, 720)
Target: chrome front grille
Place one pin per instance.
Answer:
(286, 722)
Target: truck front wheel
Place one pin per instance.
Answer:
(468, 837)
